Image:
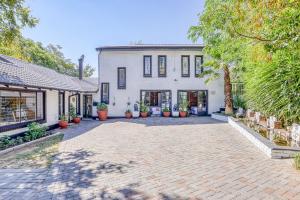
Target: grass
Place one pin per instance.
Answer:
(35, 156)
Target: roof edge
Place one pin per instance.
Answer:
(151, 47)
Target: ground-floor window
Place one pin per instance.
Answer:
(18, 106)
(105, 93)
(61, 103)
(197, 100)
(156, 98)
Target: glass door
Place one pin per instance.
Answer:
(87, 106)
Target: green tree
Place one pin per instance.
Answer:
(13, 17)
(220, 44)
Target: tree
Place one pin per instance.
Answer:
(220, 44)
(13, 17)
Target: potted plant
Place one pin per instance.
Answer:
(102, 111)
(183, 108)
(166, 112)
(143, 110)
(74, 116)
(63, 122)
(128, 114)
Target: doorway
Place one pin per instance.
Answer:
(197, 101)
(87, 106)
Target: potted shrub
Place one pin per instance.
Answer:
(102, 111)
(128, 114)
(166, 112)
(143, 110)
(183, 108)
(74, 116)
(63, 122)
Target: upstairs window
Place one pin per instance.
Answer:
(105, 93)
(162, 66)
(198, 65)
(147, 66)
(121, 78)
(185, 66)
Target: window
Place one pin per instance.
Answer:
(185, 66)
(162, 66)
(105, 93)
(159, 98)
(198, 65)
(20, 107)
(61, 103)
(121, 78)
(147, 66)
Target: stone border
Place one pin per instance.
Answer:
(14, 148)
(219, 117)
(270, 149)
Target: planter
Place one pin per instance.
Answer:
(128, 115)
(182, 113)
(166, 114)
(252, 114)
(144, 114)
(278, 125)
(63, 124)
(76, 120)
(262, 119)
(102, 115)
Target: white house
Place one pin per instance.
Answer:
(31, 93)
(159, 75)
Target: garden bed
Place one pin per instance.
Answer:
(269, 148)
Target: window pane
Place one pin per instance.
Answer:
(162, 65)
(9, 102)
(198, 65)
(105, 93)
(122, 78)
(185, 65)
(40, 106)
(28, 106)
(147, 65)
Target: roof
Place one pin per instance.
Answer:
(141, 47)
(20, 73)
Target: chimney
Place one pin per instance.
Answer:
(81, 67)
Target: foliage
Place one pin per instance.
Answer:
(143, 108)
(101, 107)
(35, 131)
(63, 117)
(128, 111)
(166, 109)
(73, 113)
(297, 161)
(6, 142)
(13, 17)
(239, 102)
(183, 106)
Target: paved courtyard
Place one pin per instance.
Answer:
(155, 158)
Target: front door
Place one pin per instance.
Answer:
(197, 100)
(87, 106)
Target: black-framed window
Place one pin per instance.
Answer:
(147, 68)
(162, 66)
(121, 77)
(20, 107)
(198, 65)
(185, 66)
(61, 103)
(105, 93)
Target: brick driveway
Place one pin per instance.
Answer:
(159, 158)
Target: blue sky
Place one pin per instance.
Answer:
(79, 26)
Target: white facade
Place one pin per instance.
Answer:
(110, 60)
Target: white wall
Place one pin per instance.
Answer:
(109, 61)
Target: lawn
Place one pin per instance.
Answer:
(35, 156)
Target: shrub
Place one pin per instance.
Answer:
(183, 106)
(73, 112)
(239, 102)
(297, 161)
(5, 142)
(143, 107)
(63, 118)
(35, 131)
(128, 111)
(166, 109)
(101, 106)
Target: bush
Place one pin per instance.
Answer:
(73, 112)
(5, 142)
(297, 161)
(101, 106)
(35, 131)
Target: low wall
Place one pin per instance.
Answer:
(220, 117)
(270, 149)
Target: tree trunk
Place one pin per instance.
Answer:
(228, 96)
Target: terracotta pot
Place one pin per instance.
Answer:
(102, 114)
(63, 124)
(278, 125)
(128, 115)
(182, 113)
(76, 120)
(262, 118)
(144, 114)
(252, 114)
(166, 114)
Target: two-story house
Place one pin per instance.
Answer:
(158, 75)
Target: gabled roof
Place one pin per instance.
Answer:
(141, 47)
(20, 73)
